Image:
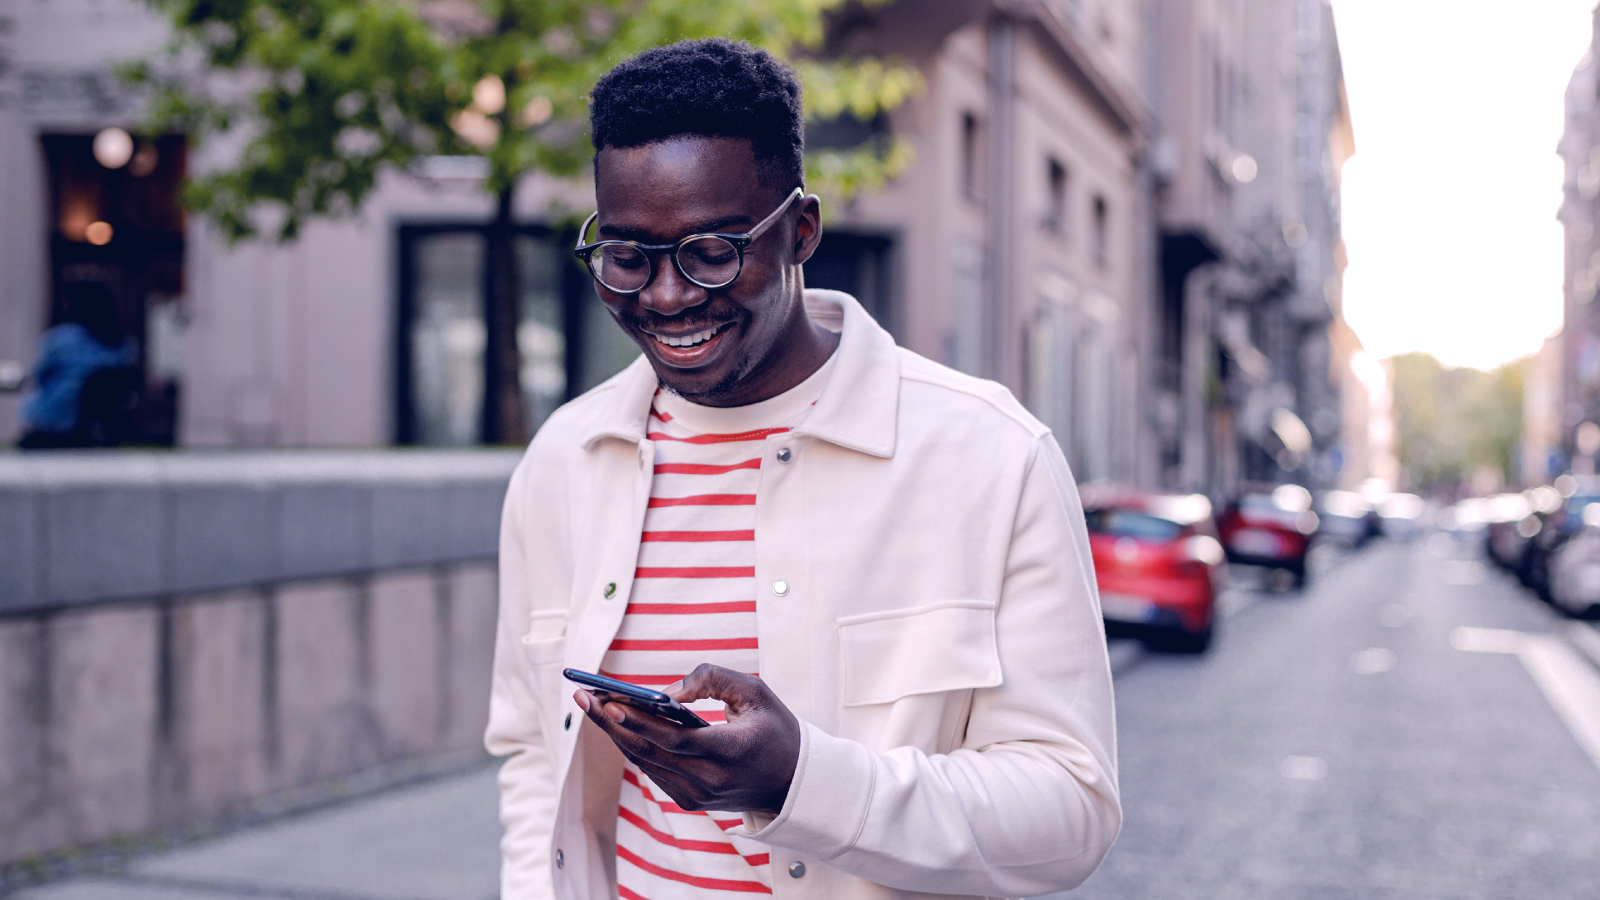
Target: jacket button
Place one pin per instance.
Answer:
(567, 725)
(610, 591)
(780, 587)
(797, 869)
(784, 455)
(561, 861)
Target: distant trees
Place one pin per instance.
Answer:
(322, 96)
(1454, 422)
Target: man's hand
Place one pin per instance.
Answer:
(744, 765)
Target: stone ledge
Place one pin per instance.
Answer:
(88, 527)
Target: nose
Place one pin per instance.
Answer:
(669, 293)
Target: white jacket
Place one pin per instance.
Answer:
(940, 638)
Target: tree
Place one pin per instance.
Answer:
(326, 95)
(1455, 422)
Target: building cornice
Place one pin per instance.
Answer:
(1120, 104)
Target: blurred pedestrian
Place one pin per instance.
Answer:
(869, 571)
(90, 347)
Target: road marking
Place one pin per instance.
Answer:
(1486, 640)
(1585, 638)
(1372, 661)
(1568, 682)
(1303, 768)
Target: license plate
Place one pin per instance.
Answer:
(1252, 542)
(1123, 608)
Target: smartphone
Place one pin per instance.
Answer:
(653, 702)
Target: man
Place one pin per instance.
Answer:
(869, 571)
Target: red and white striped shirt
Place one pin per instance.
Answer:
(693, 601)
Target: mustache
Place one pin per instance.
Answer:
(692, 320)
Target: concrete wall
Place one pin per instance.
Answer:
(184, 634)
(129, 718)
(97, 526)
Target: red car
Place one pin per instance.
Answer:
(1271, 528)
(1158, 564)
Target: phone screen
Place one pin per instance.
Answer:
(654, 702)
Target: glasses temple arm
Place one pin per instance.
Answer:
(767, 222)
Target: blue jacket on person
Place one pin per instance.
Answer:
(68, 355)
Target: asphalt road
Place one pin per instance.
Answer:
(1368, 738)
(1336, 743)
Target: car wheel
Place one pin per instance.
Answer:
(1299, 573)
(1189, 642)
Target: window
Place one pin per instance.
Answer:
(969, 155)
(1055, 214)
(566, 341)
(861, 265)
(1098, 249)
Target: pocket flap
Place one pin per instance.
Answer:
(546, 637)
(946, 646)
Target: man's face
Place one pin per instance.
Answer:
(660, 193)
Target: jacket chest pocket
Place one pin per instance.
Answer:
(546, 639)
(941, 647)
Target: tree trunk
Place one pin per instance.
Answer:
(506, 418)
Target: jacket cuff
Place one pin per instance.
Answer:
(828, 799)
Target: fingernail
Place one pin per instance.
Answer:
(616, 713)
(582, 698)
(674, 687)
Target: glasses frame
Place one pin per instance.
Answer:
(739, 242)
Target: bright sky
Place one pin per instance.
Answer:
(1450, 200)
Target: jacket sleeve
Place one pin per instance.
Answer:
(527, 780)
(1029, 803)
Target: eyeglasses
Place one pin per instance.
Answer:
(709, 260)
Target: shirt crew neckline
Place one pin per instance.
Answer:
(786, 409)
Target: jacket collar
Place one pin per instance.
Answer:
(857, 409)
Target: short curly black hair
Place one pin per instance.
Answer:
(711, 87)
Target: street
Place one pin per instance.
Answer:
(1381, 735)
(1335, 744)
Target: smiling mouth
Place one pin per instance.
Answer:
(686, 341)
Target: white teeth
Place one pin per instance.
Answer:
(688, 340)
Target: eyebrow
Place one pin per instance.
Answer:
(643, 236)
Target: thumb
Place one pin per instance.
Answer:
(708, 682)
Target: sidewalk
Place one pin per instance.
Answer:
(438, 840)
(434, 840)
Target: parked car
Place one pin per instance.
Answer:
(1575, 568)
(1400, 515)
(1510, 525)
(1272, 529)
(1563, 521)
(1158, 564)
(1348, 517)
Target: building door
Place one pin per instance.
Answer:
(116, 218)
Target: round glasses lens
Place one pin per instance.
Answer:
(620, 267)
(709, 261)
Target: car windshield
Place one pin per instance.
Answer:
(1127, 523)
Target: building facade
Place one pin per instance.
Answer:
(1579, 149)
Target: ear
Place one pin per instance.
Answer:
(808, 228)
